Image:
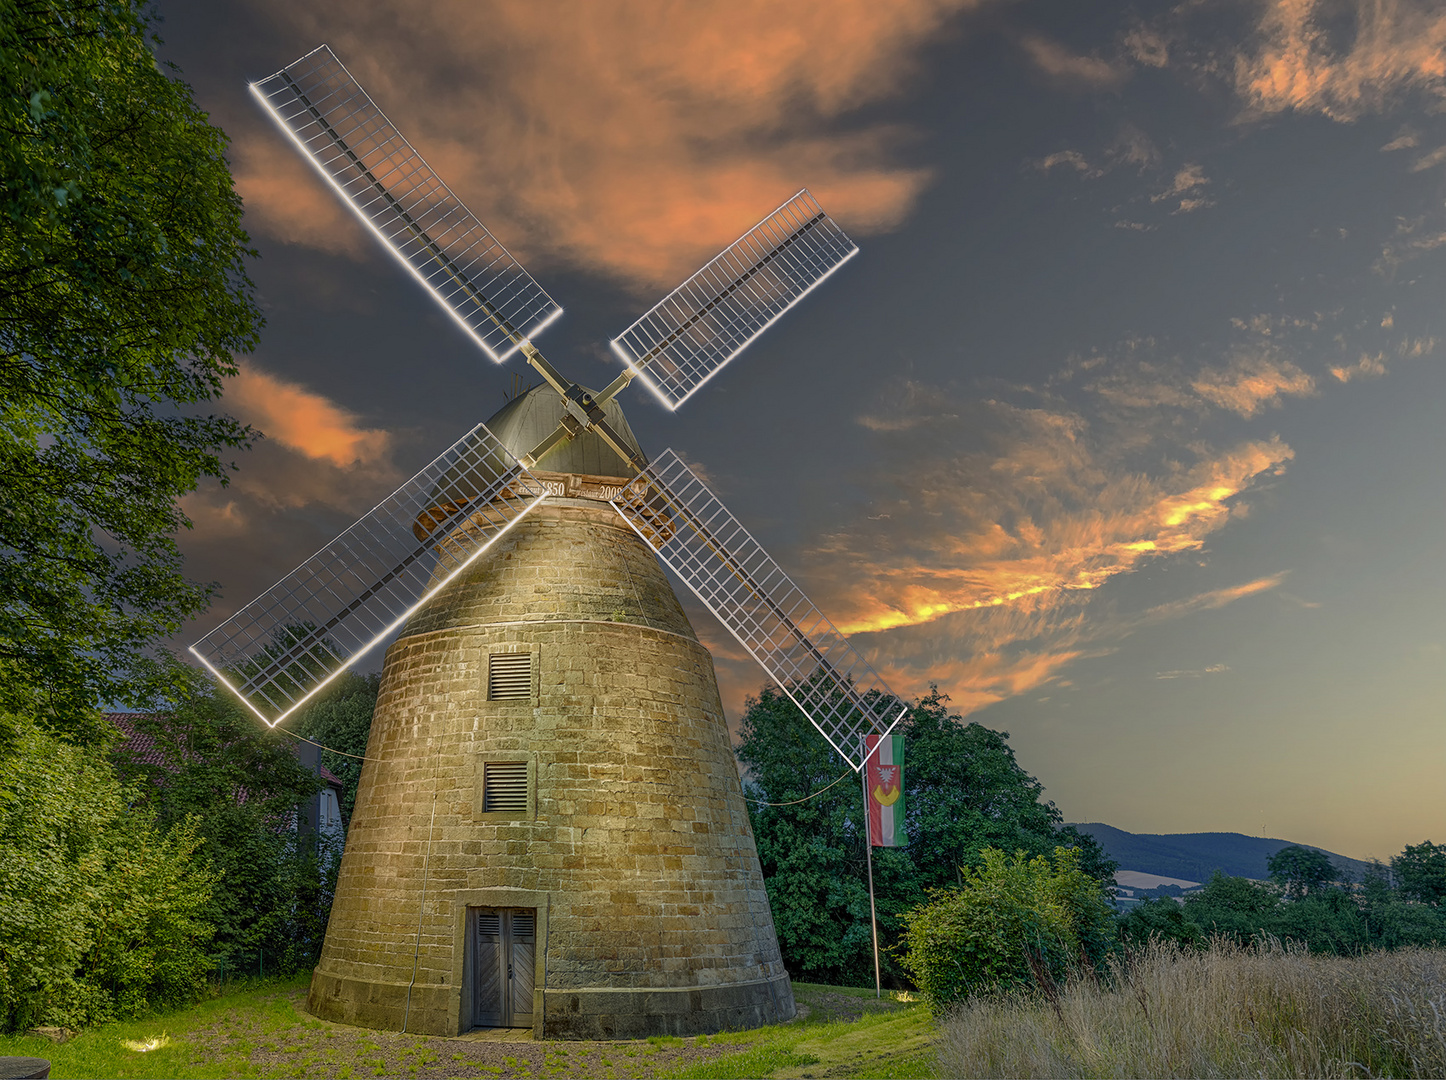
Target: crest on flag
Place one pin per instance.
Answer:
(884, 772)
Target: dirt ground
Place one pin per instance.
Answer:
(321, 1049)
(317, 1048)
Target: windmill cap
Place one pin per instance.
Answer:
(531, 417)
(521, 425)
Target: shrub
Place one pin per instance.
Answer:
(99, 911)
(211, 762)
(1013, 923)
(1161, 918)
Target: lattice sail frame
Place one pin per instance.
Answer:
(696, 537)
(687, 337)
(300, 634)
(340, 130)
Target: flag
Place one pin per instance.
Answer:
(884, 773)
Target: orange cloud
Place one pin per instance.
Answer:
(303, 421)
(286, 199)
(1057, 61)
(980, 564)
(1252, 383)
(1367, 367)
(1188, 186)
(1044, 510)
(637, 138)
(211, 515)
(1215, 598)
(1396, 45)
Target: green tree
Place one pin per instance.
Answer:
(1393, 921)
(1236, 907)
(812, 851)
(1301, 870)
(1013, 923)
(964, 792)
(1329, 920)
(342, 721)
(102, 915)
(123, 299)
(1420, 872)
(1160, 917)
(242, 785)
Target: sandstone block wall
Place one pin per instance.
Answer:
(635, 849)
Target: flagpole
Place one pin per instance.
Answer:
(869, 860)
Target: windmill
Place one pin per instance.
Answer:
(549, 829)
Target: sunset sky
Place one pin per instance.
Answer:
(1125, 428)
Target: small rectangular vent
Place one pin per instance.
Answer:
(504, 786)
(509, 676)
(523, 924)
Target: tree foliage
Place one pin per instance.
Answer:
(242, 784)
(341, 720)
(1300, 871)
(123, 299)
(1325, 916)
(1013, 923)
(1421, 871)
(102, 914)
(964, 793)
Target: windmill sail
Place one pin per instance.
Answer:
(696, 537)
(334, 608)
(386, 182)
(709, 319)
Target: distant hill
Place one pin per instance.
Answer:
(1195, 856)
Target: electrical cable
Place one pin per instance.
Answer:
(329, 750)
(795, 802)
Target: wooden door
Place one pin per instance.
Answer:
(504, 948)
(521, 926)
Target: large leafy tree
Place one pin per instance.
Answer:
(964, 793)
(1301, 870)
(123, 299)
(1421, 871)
(208, 762)
(340, 721)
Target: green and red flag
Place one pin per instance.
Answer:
(884, 773)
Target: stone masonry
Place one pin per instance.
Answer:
(635, 849)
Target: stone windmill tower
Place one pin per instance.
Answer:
(549, 830)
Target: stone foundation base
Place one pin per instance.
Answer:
(636, 1014)
(561, 1014)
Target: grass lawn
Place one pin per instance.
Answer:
(265, 1032)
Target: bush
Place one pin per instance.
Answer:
(964, 793)
(213, 763)
(100, 913)
(1160, 918)
(1325, 919)
(1014, 923)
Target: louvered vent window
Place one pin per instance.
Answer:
(509, 676)
(523, 924)
(504, 786)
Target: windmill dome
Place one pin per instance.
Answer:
(531, 417)
(584, 466)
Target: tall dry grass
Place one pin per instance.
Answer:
(1228, 1011)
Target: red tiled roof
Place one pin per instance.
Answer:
(140, 745)
(144, 748)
